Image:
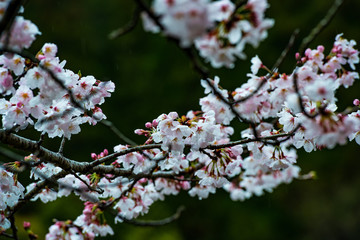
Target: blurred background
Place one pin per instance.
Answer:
(152, 76)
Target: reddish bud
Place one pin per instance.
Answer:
(356, 102)
(26, 225)
(94, 156)
(106, 152)
(148, 125)
(154, 123)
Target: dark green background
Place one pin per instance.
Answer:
(153, 76)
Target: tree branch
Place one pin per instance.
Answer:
(320, 26)
(158, 222)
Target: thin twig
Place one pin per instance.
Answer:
(152, 223)
(232, 108)
(296, 88)
(320, 26)
(10, 154)
(118, 133)
(285, 52)
(100, 191)
(62, 144)
(128, 27)
(6, 235)
(262, 83)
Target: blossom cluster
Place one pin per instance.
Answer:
(218, 29)
(11, 191)
(67, 230)
(194, 152)
(191, 152)
(22, 33)
(35, 95)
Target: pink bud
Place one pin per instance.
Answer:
(26, 225)
(320, 48)
(7, 81)
(106, 152)
(154, 123)
(148, 125)
(356, 102)
(94, 156)
(297, 55)
(140, 132)
(41, 57)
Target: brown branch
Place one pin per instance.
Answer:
(85, 167)
(10, 14)
(158, 222)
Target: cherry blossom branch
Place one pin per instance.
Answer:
(84, 167)
(9, 15)
(197, 66)
(297, 91)
(77, 104)
(147, 10)
(277, 64)
(260, 139)
(261, 84)
(231, 106)
(60, 82)
(38, 187)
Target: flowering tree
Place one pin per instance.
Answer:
(195, 152)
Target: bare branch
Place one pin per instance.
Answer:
(118, 133)
(128, 27)
(6, 235)
(10, 154)
(285, 52)
(158, 222)
(320, 26)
